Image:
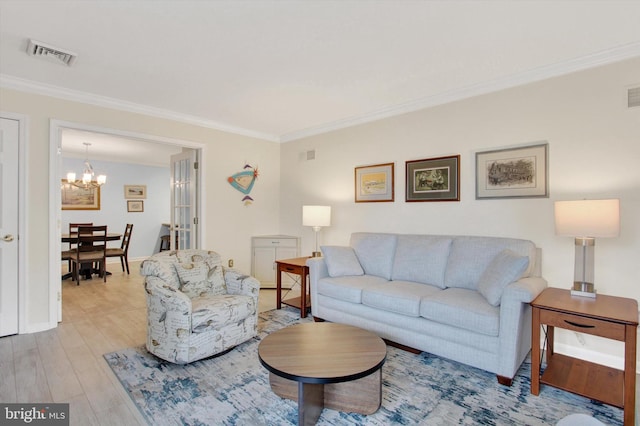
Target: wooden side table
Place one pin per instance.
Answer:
(605, 316)
(297, 266)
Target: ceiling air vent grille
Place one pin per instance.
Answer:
(37, 48)
(633, 97)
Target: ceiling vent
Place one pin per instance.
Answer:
(633, 97)
(38, 48)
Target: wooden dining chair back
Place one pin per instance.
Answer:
(68, 254)
(91, 247)
(123, 251)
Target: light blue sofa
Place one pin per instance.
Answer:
(465, 298)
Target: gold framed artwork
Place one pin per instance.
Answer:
(513, 172)
(74, 198)
(433, 179)
(135, 192)
(135, 206)
(375, 183)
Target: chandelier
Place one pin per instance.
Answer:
(87, 180)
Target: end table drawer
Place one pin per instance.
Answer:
(602, 328)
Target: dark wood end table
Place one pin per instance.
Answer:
(605, 316)
(325, 365)
(296, 266)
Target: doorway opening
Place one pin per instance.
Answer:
(57, 130)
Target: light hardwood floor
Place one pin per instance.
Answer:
(66, 364)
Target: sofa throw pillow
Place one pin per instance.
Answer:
(341, 261)
(505, 268)
(198, 278)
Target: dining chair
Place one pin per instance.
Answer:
(91, 247)
(123, 251)
(68, 254)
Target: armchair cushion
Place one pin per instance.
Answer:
(199, 278)
(214, 312)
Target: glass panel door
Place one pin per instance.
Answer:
(184, 201)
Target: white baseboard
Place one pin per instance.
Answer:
(41, 326)
(591, 356)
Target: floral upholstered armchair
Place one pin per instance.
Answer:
(196, 307)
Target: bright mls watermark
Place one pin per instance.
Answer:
(34, 414)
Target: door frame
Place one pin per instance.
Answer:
(23, 145)
(55, 213)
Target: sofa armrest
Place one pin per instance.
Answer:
(515, 323)
(524, 290)
(317, 270)
(241, 284)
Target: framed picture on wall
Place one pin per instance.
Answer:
(513, 172)
(135, 206)
(374, 184)
(433, 179)
(75, 198)
(135, 192)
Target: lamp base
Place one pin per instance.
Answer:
(316, 254)
(583, 289)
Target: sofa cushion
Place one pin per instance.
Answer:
(215, 311)
(505, 268)
(341, 261)
(375, 252)
(462, 308)
(422, 259)
(470, 256)
(401, 297)
(199, 278)
(348, 288)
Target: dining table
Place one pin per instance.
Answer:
(88, 271)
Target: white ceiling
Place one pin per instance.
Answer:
(286, 69)
(105, 147)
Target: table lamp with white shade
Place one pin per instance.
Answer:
(316, 217)
(586, 220)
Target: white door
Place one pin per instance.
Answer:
(184, 219)
(9, 143)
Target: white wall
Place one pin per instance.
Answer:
(147, 225)
(228, 225)
(594, 149)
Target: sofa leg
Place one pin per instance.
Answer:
(505, 381)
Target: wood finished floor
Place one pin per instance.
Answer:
(66, 364)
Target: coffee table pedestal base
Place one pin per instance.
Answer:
(363, 396)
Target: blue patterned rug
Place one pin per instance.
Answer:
(233, 389)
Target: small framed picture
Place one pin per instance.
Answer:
(135, 192)
(374, 184)
(135, 206)
(433, 179)
(513, 172)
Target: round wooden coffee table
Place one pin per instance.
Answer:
(325, 365)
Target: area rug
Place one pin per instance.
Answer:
(233, 389)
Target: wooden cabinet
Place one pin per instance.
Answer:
(265, 250)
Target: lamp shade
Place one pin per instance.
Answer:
(588, 218)
(316, 215)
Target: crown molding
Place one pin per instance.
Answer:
(605, 57)
(20, 84)
(620, 53)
